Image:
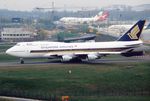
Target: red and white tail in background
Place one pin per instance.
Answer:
(103, 15)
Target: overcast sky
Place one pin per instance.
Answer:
(26, 5)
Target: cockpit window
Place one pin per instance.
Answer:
(18, 44)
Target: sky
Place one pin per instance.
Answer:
(27, 5)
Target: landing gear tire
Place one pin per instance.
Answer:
(21, 61)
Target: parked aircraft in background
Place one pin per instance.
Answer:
(125, 26)
(101, 16)
(126, 45)
(118, 30)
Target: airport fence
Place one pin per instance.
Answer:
(56, 96)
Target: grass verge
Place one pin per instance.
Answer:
(86, 81)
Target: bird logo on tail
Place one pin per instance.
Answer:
(134, 32)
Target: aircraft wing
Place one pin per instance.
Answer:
(80, 55)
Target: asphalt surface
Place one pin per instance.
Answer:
(99, 61)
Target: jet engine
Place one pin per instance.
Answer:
(66, 58)
(92, 56)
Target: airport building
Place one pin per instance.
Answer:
(17, 34)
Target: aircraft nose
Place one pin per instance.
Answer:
(8, 51)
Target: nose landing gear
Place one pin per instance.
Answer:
(21, 61)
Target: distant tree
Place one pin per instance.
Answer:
(41, 35)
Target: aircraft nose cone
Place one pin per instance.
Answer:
(8, 51)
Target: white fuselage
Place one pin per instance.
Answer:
(50, 49)
(101, 16)
(77, 20)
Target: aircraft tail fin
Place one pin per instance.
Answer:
(101, 16)
(133, 34)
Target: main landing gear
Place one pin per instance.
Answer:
(21, 61)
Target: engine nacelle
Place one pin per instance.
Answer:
(91, 57)
(66, 58)
(134, 53)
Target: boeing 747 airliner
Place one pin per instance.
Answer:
(126, 45)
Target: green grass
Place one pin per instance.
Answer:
(106, 98)
(85, 81)
(113, 98)
(3, 99)
(4, 47)
(4, 57)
